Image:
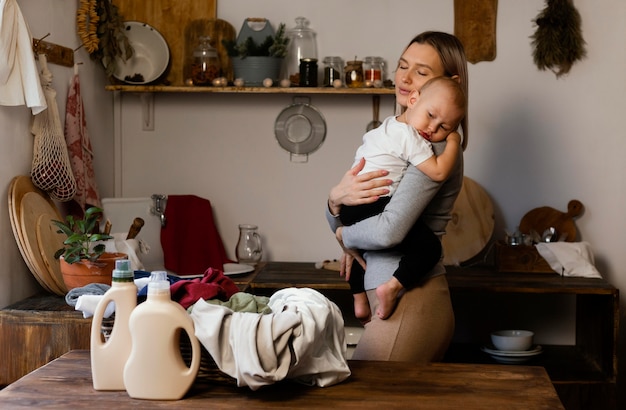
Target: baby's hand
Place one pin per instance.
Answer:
(454, 137)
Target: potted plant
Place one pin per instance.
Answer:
(83, 258)
(258, 54)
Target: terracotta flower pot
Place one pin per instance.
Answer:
(79, 274)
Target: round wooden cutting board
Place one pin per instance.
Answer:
(32, 206)
(471, 226)
(20, 186)
(48, 242)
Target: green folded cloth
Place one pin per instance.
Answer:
(245, 302)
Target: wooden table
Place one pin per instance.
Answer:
(66, 383)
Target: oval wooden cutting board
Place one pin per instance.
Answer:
(471, 226)
(20, 186)
(32, 207)
(48, 242)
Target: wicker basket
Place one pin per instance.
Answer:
(208, 371)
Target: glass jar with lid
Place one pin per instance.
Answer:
(354, 74)
(302, 46)
(333, 67)
(205, 66)
(374, 71)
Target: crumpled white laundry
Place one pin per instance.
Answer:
(303, 340)
(19, 76)
(573, 259)
(87, 304)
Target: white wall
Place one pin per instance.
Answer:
(535, 140)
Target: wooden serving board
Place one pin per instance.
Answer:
(218, 30)
(169, 17)
(32, 207)
(475, 26)
(471, 226)
(18, 188)
(48, 242)
(542, 218)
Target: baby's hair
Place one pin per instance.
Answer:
(451, 85)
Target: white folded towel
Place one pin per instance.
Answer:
(569, 258)
(87, 304)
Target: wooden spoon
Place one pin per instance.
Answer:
(376, 108)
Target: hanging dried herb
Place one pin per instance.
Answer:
(558, 42)
(101, 29)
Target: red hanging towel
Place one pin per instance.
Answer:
(190, 241)
(79, 147)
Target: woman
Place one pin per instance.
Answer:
(422, 324)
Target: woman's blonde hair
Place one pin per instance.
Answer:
(452, 55)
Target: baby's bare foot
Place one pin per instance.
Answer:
(362, 307)
(387, 294)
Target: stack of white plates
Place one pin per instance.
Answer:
(512, 356)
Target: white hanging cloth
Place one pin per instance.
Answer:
(19, 78)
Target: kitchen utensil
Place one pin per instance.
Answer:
(150, 58)
(135, 228)
(375, 108)
(300, 128)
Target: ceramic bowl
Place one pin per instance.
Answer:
(150, 58)
(512, 340)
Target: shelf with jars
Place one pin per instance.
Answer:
(249, 90)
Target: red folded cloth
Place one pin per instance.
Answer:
(190, 240)
(213, 285)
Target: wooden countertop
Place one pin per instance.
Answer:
(66, 383)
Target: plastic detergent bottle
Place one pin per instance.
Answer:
(109, 357)
(156, 369)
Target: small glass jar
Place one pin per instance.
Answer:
(308, 72)
(373, 70)
(333, 66)
(354, 74)
(205, 67)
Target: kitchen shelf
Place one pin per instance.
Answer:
(146, 93)
(250, 90)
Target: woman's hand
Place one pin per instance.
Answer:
(348, 257)
(354, 189)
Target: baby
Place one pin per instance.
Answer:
(433, 114)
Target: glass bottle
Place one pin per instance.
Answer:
(249, 250)
(333, 67)
(205, 67)
(354, 74)
(302, 45)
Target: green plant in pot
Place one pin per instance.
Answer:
(83, 258)
(256, 58)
